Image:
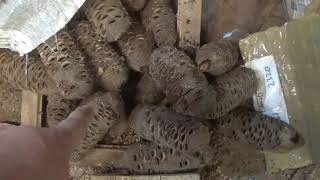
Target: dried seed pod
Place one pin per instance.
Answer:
(217, 57)
(109, 18)
(168, 128)
(148, 158)
(134, 5)
(10, 103)
(183, 84)
(108, 109)
(110, 66)
(147, 91)
(59, 109)
(25, 73)
(159, 18)
(66, 65)
(263, 132)
(137, 46)
(233, 88)
(311, 172)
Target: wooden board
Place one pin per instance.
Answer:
(155, 177)
(101, 157)
(189, 23)
(31, 109)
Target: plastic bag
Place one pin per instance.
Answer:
(294, 50)
(24, 24)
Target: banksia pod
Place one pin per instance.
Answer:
(137, 46)
(107, 110)
(110, 67)
(260, 131)
(311, 172)
(149, 158)
(182, 83)
(109, 18)
(168, 128)
(66, 65)
(25, 73)
(159, 18)
(59, 108)
(217, 57)
(147, 91)
(10, 103)
(233, 88)
(230, 90)
(134, 5)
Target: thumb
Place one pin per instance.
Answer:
(72, 130)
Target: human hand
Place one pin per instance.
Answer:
(34, 153)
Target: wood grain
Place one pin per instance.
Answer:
(31, 109)
(189, 23)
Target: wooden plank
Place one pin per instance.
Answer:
(189, 23)
(181, 177)
(31, 109)
(153, 177)
(101, 157)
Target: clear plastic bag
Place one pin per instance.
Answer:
(295, 51)
(24, 24)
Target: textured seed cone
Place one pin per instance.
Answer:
(311, 172)
(182, 83)
(25, 73)
(66, 65)
(147, 91)
(149, 158)
(217, 57)
(168, 128)
(109, 18)
(233, 88)
(110, 67)
(59, 109)
(159, 18)
(134, 5)
(262, 132)
(10, 103)
(137, 46)
(108, 109)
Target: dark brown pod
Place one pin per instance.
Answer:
(59, 109)
(108, 109)
(159, 18)
(25, 73)
(134, 5)
(262, 132)
(137, 46)
(66, 65)
(147, 91)
(149, 158)
(168, 128)
(217, 57)
(232, 89)
(110, 67)
(109, 18)
(182, 83)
